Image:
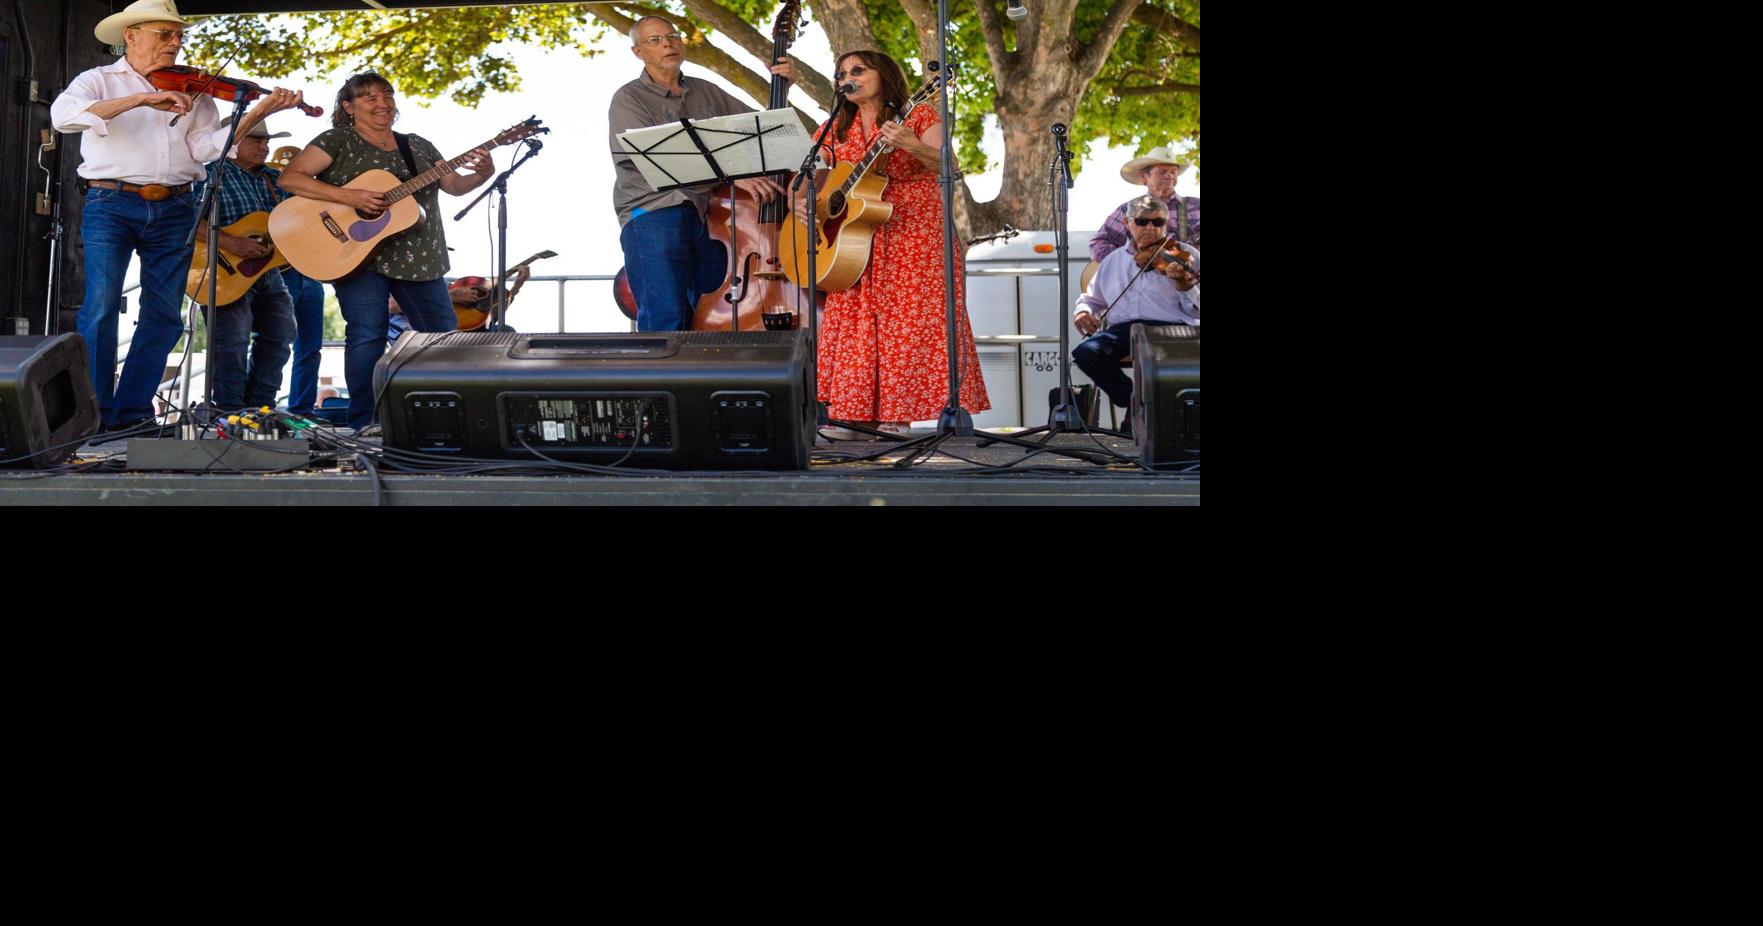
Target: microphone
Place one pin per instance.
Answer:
(847, 87)
(1064, 154)
(534, 144)
(1016, 11)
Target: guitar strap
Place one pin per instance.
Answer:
(404, 149)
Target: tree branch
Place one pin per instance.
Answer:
(994, 33)
(724, 20)
(1155, 89)
(1090, 61)
(1029, 31)
(1161, 19)
(699, 51)
(377, 40)
(846, 24)
(924, 21)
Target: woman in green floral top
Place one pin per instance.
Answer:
(411, 266)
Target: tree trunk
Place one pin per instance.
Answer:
(1039, 84)
(846, 24)
(758, 44)
(699, 51)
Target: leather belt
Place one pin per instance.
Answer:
(152, 192)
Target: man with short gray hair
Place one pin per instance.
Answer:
(669, 256)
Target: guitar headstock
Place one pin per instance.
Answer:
(941, 76)
(520, 131)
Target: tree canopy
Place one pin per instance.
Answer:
(1117, 72)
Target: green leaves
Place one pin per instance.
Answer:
(424, 53)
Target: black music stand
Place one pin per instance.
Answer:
(707, 143)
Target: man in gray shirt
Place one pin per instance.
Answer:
(669, 256)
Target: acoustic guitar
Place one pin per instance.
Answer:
(477, 315)
(849, 209)
(331, 241)
(233, 274)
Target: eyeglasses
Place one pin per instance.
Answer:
(857, 70)
(655, 40)
(1144, 222)
(166, 35)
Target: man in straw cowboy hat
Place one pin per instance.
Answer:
(1158, 171)
(137, 170)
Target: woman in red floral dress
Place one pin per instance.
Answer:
(882, 357)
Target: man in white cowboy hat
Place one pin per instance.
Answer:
(137, 170)
(1158, 171)
(248, 374)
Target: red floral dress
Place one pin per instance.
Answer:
(882, 354)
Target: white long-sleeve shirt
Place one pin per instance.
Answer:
(140, 146)
(1154, 298)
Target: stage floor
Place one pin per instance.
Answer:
(966, 475)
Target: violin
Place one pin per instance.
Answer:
(1159, 259)
(180, 79)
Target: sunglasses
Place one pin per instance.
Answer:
(856, 71)
(1144, 222)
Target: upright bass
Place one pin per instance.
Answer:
(758, 262)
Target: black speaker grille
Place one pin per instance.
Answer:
(718, 338)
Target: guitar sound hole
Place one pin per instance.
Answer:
(368, 216)
(835, 204)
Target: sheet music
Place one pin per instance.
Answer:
(667, 157)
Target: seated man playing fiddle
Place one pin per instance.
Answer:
(1151, 282)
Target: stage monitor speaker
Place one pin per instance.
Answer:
(47, 407)
(1166, 393)
(696, 400)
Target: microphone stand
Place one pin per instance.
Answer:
(210, 208)
(955, 421)
(807, 172)
(1064, 416)
(499, 321)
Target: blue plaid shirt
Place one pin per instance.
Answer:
(246, 192)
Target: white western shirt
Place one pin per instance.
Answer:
(140, 146)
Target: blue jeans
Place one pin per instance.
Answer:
(113, 226)
(670, 260)
(242, 381)
(1099, 357)
(363, 301)
(308, 297)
